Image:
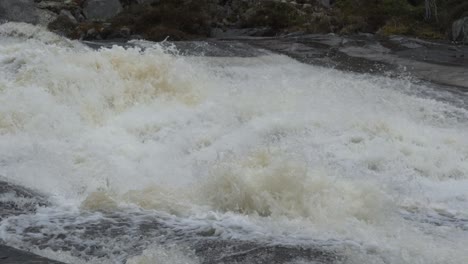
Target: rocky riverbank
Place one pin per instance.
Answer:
(187, 19)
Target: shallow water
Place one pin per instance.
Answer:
(148, 155)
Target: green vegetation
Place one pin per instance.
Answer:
(276, 15)
(404, 17)
(454, 9)
(374, 14)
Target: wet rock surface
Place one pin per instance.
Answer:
(441, 63)
(9, 255)
(136, 231)
(16, 200)
(437, 62)
(245, 252)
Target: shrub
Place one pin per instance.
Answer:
(276, 15)
(176, 18)
(375, 12)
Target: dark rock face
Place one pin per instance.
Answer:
(101, 9)
(19, 10)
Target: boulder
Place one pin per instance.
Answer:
(69, 15)
(24, 11)
(55, 6)
(460, 30)
(64, 24)
(19, 11)
(101, 9)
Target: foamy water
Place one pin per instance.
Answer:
(262, 149)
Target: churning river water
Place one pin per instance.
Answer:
(146, 155)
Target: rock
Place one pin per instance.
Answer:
(29, 200)
(91, 33)
(160, 33)
(64, 24)
(110, 32)
(125, 32)
(24, 11)
(251, 32)
(9, 255)
(54, 6)
(19, 11)
(101, 9)
(69, 16)
(78, 16)
(460, 30)
(45, 17)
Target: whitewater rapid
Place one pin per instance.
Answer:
(261, 148)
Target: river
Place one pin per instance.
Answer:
(149, 154)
